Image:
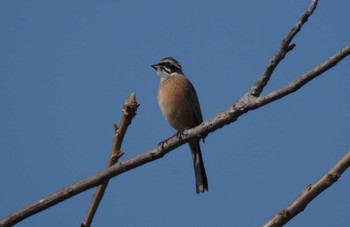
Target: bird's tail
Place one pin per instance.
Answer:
(199, 170)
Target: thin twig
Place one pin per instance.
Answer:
(305, 78)
(129, 111)
(248, 102)
(310, 192)
(284, 49)
(232, 114)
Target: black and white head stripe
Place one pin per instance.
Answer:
(170, 65)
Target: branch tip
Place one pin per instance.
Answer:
(282, 52)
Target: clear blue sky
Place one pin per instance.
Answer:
(66, 68)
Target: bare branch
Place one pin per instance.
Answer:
(284, 49)
(248, 102)
(244, 105)
(302, 80)
(310, 192)
(129, 111)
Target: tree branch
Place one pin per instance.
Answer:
(248, 102)
(244, 105)
(282, 52)
(310, 192)
(305, 78)
(129, 111)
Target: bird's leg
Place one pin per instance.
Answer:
(179, 134)
(161, 144)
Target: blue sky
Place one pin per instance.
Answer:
(66, 68)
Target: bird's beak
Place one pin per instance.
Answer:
(155, 66)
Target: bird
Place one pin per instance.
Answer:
(179, 104)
